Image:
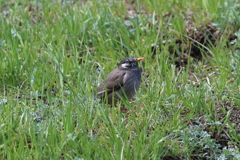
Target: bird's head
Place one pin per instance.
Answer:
(129, 62)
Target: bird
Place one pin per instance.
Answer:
(122, 82)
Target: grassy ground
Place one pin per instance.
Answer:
(54, 54)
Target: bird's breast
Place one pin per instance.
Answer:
(131, 82)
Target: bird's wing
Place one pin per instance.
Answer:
(114, 82)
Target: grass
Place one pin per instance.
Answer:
(54, 55)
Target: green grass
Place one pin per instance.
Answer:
(54, 55)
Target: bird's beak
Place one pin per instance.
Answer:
(139, 59)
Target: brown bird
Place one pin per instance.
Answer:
(122, 82)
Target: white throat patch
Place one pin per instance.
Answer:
(125, 65)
